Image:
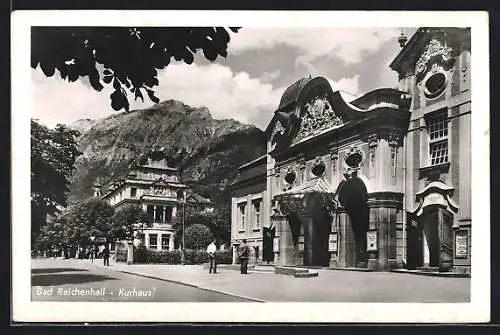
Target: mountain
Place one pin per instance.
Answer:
(207, 150)
(82, 125)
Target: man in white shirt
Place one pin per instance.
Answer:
(211, 249)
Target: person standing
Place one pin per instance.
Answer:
(211, 250)
(92, 254)
(243, 256)
(105, 256)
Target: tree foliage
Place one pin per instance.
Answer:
(53, 156)
(78, 223)
(197, 237)
(126, 219)
(218, 222)
(128, 57)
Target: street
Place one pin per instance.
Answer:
(80, 280)
(74, 280)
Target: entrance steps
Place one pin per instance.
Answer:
(296, 272)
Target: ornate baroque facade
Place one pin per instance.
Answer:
(381, 182)
(155, 186)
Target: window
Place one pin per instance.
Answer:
(153, 241)
(242, 213)
(159, 213)
(165, 241)
(437, 129)
(256, 214)
(133, 192)
(168, 214)
(151, 211)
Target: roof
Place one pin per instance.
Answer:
(199, 199)
(292, 92)
(256, 171)
(378, 96)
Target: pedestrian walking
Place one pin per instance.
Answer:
(211, 250)
(243, 256)
(105, 256)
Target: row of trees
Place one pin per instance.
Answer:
(94, 217)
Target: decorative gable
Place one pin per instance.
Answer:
(317, 116)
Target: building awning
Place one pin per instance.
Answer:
(435, 193)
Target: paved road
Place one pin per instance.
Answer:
(72, 280)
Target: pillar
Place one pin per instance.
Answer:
(171, 242)
(286, 247)
(235, 254)
(174, 211)
(130, 253)
(154, 213)
(146, 240)
(307, 223)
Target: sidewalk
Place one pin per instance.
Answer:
(329, 286)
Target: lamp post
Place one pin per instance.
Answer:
(183, 201)
(92, 238)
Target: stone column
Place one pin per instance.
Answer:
(307, 223)
(286, 247)
(171, 242)
(154, 214)
(235, 254)
(146, 240)
(174, 211)
(164, 214)
(130, 253)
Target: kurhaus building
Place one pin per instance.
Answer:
(155, 186)
(381, 182)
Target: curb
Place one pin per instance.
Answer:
(432, 274)
(181, 283)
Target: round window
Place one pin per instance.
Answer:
(435, 85)
(354, 160)
(290, 177)
(319, 169)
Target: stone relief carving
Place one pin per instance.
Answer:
(434, 51)
(278, 130)
(318, 115)
(352, 160)
(394, 142)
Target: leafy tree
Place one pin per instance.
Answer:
(53, 156)
(218, 221)
(92, 217)
(197, 237)
(126, 219)
(129, 57)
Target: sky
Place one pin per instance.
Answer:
(246, 85)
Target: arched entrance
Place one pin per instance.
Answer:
(353, 196)
(316, 230)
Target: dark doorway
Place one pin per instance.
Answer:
(267, 244)
(414, 244)
(321, 227)
(353, 196)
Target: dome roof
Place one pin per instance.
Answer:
(292, 92)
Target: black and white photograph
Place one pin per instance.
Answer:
(307, 166)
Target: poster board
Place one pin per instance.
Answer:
(332, 242)
(461, 244)
(276, 244)
(301, 243)
(371, 240)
